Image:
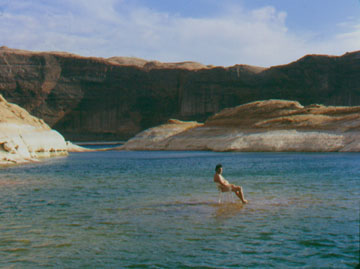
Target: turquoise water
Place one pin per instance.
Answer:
(160, 210)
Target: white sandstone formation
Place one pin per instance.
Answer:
(76, 148)
(273, 125)
(157, 138)
(24, 138)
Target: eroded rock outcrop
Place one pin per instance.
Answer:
(88, 98)
(24, 138)
(159, 137)
(273, 125)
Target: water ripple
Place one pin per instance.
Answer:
(160, 210)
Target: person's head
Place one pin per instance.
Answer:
(218, 168)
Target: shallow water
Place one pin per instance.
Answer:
(160, 210)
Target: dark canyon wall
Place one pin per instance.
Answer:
(88, 98)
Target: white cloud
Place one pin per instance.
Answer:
(349, 39)
(117, 28)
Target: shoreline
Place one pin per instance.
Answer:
(98, 143)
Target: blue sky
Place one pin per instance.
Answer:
(226, 32)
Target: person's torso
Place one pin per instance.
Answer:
(224, 180)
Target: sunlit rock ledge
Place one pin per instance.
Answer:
(272, 125)
(24, 138)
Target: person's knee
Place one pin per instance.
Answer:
(237, 188)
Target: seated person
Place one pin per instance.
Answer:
(224, 185)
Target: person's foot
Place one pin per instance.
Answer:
(245, 201)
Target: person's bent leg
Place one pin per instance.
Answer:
(239, 192)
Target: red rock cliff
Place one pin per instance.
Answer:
(89, 98)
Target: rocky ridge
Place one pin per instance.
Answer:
(272, 125)
(89, 98)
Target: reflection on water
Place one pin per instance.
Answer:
(221, 210)
(160, 209)
(227, 210)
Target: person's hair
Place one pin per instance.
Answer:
(217, 168)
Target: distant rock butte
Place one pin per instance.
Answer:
(97, 99)
(24, 138)
(273, 125)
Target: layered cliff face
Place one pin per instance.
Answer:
(105, 99)
(24, 138)
(273, 125)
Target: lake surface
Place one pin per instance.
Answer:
(161, 210)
